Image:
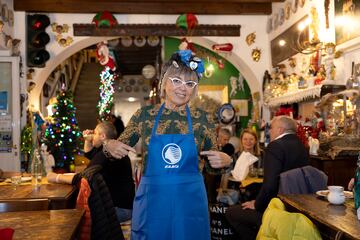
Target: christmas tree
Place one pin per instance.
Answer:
(63, 134)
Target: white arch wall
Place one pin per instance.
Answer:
(240, 57)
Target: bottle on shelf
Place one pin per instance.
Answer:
(352, 82)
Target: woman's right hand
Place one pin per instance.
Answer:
(118, 149)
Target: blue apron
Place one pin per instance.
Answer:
(171, 202)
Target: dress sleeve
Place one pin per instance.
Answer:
(132, 131)
(209, 143)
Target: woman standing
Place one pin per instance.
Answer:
(171, 201)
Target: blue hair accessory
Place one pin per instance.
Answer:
(189, 60)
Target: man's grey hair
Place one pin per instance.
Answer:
(289, 124)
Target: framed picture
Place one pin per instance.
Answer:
(241, 107)
(347, 14)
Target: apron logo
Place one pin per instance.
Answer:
(171, 153)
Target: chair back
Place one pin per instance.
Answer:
(302, 180)
(17, 205)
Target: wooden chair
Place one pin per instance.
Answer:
(17, 205)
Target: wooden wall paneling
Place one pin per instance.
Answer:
(155, 30)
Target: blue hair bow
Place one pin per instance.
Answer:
(194, 63)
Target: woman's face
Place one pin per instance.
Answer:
(248, 141)
(178, 91)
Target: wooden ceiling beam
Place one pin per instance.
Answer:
(155, 30)
(225, 7)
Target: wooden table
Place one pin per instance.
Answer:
(333, 221)
(60, 195)
(50, 224)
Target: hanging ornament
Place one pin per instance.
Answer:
(187, 21)
(294, 5)
(221, 65)
(256, 54)
(104, 56)
(59, 29)
(186, 44)
(209, 70)
(140, 41)
(250, 39)
(64, 42)
(292, 62)
(153, 41)
(225, 47)
(126, 41)
(104, 19)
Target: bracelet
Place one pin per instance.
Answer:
(57, 178)
(105, 150)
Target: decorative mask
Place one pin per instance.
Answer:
(256, 54)
(250, 39)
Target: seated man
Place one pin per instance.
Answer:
(116, 174)
(284, 152)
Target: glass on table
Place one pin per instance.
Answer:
(16, 180)
(253, 171)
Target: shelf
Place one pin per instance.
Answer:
(298, 96)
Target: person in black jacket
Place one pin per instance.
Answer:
(116, 174)
(285, 152)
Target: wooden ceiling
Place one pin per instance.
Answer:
(213, 7)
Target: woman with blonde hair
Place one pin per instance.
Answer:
(249, 142)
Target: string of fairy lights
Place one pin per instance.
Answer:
(106, 92)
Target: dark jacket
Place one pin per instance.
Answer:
(302, 181)
(281, 155)
(104, 223)
(117, 174)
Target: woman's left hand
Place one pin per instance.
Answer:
(217, 159)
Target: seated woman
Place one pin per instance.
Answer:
(117, 174)
(249, 143)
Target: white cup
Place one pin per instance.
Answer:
(336, 195)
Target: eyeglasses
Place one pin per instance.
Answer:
(178, 82)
